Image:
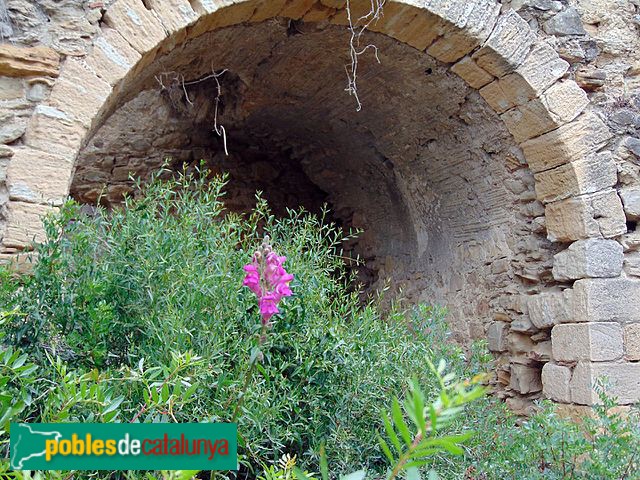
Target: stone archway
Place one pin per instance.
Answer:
(585, 308)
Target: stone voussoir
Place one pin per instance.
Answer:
(139, 26)
(507, 46)
(471, 24)
(173, 14)
(586, 175)
(51, 128)
(582, 137)
(540, 70)
(112, 56)
(560, 104)
(470, 72)
(24, 224)
(80, 91)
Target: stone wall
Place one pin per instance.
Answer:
(600, 40)
(493, 167)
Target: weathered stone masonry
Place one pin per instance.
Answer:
(549, 269)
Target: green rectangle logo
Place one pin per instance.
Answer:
(123, 446)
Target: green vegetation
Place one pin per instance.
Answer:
(140, 315)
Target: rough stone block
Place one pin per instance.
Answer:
(11, 88)
(507, 46)
(318, 12)
(28, 61)
(631, 202)
(582, 137)
(495, 97)
(112, 56)
(538, 72)
(622, 382)
(596, 341)
(471, 73)
(560, 104)
(13, 123)
(597, 214)
(587, 175)
(203, 7)
(520, 342)
(631, 264)
(555, 382)
(266, 10)
(497, 336)
(38, 177)
(631, 241)
(52, 129)
(139, 26)
(471, 24)
(79, 92)
(632, 341)
(296, 9)
(591, 258)
(606, 300)
(24, 224)
(525, 379)
(550, 308)
(174, 14)
(421, 31)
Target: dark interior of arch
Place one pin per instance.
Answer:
(425, 169)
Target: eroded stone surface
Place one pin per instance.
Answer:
(18, 61)
(606, 299)
(555, 380)
(592, 215)
(588, 258)
(594, 341)
(623, 382)
(550, 308)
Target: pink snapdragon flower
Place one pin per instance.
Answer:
(267, 278)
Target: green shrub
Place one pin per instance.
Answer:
(602, 445)
(139, 314)
(129, 296)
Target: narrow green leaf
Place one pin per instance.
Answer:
(324, 468)
(391, 433)
(113, 405)
(386, 450)
(399, 422)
